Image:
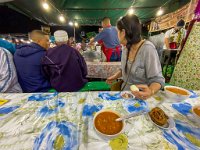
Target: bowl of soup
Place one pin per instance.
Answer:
(196, 112)
(176, 93)
(106, 125)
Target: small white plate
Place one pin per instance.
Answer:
(169, 125)
(131, 96)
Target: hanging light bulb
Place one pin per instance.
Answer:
(45, 5)
(159, 12)
(76, 24)
(131, 11)
(62, 18)
(71, 23)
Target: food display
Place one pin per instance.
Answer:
(134, 88)
(158, 116)
(105, 122)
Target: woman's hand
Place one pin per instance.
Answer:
(111, 79)
(145, 92)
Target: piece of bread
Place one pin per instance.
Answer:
(134, 88)
(158, 116)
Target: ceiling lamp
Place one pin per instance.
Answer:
(76, 24)
(159, 12)
(71, 23)
(131, 11)
(62, 18)
(45, 5)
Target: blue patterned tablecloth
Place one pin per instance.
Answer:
(65, 121)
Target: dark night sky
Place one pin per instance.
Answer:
(14, 22)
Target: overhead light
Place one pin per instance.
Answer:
(22, 40)
(131, 11)
(159, 12)
(28, 42)
(62, 18)
(71, 23)
(76, 24)
(45, 5)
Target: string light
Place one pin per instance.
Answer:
(45, 5)
(71, 23)
(62, 18)
(159, 12)
(131, 11)
(76, 24)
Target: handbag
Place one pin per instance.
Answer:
(117, 86)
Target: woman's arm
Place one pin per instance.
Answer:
(117, 75)
(154, 87)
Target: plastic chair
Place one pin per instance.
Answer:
(96, 86)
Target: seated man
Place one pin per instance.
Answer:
(64, 65)
(7, 45)
(28, 58)
(8, 77)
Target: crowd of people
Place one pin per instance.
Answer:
(35, 67)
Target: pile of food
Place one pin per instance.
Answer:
(158, 116)
(126, 95)
(197, 111)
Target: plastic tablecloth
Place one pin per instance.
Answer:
(65, 121)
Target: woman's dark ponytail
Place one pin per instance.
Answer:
(132, 27)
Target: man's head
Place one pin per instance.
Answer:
(180, 24)
(41, 38)
(61, 37)
(105, 22)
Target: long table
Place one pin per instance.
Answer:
(65, 121)
(102, 70)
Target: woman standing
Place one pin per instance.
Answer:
(140, 61)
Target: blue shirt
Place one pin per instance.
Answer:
(28, 64)
(109, 37)
(7, 45)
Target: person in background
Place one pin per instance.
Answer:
(8, 76)
(71, 41)
(174, 37)
(109, 40)
(8, 45)
(140, 61)
(28, 58)
(64, 65)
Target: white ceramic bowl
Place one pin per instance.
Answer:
(196, 117)
(106, 135)
(174, 96)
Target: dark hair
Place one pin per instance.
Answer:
(181, 23)
(132, 27)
